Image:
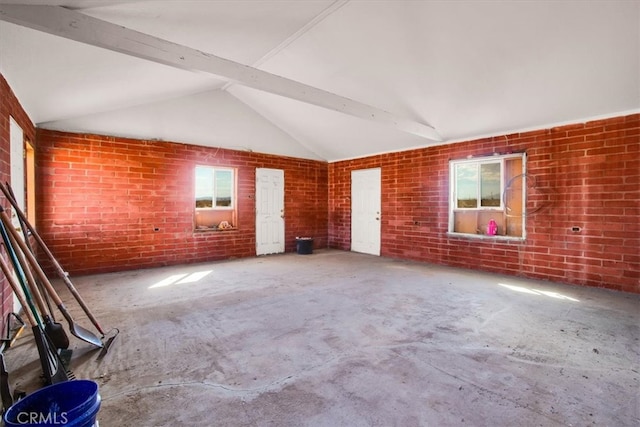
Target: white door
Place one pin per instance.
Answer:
(365, 211)
(16, 159)
(269, 211)
(17, 163)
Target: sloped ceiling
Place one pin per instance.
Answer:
(466, 68)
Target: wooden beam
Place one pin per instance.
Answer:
(76, 26)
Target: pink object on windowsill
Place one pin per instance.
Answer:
(492, 228)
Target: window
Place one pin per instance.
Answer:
(487, 196)
(214, 198)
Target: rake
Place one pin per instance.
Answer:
(8, 193)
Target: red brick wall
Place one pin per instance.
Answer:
(103, 196)
(9, 107)
(587, 174)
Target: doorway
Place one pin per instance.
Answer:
(269, 211)
(16, 159)
(365, 211)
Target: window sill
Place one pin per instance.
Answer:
(484, 236)
(213, 229)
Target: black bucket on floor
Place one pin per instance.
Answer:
(304, 245)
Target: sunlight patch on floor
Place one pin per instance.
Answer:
(179, 279)
(538, 292)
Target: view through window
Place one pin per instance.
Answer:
(214, 198)
(487, 196)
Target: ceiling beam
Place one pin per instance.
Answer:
(73, 25)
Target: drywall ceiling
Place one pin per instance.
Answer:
(465, 68)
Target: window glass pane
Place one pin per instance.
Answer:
(490, 184)
(204, 187)
(224, 187)
(467, 186)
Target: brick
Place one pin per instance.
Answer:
(131, 186)
(585, 171)
(587, 179)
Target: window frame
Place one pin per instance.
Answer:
(501, 209)
(232, 205)
(479, 163)
(215, 218)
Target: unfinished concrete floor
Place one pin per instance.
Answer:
(344, 339)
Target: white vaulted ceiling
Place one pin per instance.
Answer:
(465, 68)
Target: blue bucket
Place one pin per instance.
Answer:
(70, 403)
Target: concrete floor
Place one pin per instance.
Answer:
(344, 339)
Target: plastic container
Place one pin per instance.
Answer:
(70, 403)
(304, 245)
(492, 228)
